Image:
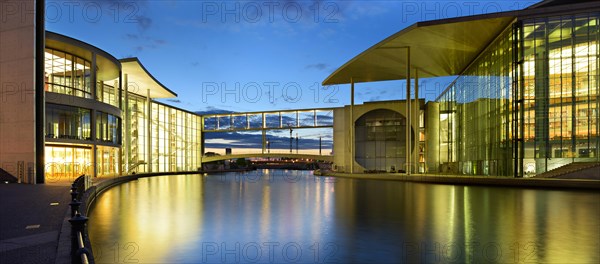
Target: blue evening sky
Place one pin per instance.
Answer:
(254, 55)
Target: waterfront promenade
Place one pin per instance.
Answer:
(31, 217)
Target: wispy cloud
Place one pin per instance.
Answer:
(143, 42)
(132, 36)
(375, 98)
(144, 22)
(318, 66)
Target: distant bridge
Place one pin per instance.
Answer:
(268, 120)
(267, 155)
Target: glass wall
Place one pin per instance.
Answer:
(66, 163)
(173, 143)
(380, 140)
(107, 161)
(107, 93)
(108, 128)
(67, 122)
(175, 139)
(542, 95)
(475, 115)
(67, 74)
(137, 139)
(560, 84)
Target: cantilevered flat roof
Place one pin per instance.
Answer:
(140, 80)
(437, 48)
(442, 47)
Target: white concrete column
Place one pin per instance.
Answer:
(126, 146)
(352, 125)
(95, 159)
(417, 122)
(149, 131)
(408, 113)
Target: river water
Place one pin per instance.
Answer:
(277, 216)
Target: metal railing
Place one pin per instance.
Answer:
(79, 252)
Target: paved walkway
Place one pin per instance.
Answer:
(30, 221)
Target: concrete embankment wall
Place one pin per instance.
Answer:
(477, 180)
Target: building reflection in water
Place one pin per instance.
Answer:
(292, 216)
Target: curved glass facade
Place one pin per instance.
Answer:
(91, 126)
(108, 128)
(68, 122)
(67, 74)
(529, 103)
(108, 94)
(107, 161)
(75, 135)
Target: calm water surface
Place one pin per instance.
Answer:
(281, 216)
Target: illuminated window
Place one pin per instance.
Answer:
(67, 74)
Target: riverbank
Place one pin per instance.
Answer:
(472, 180)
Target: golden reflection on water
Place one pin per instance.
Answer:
(141, 221)
(231, 217)
(467, 224)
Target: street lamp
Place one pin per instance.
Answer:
(268, 147)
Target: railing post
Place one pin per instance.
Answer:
(74, 207)
(74, 194)
(77, 227)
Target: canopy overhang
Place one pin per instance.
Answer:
(437, 48)
(140, 81)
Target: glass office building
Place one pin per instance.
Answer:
(95, 125)
(525, 99)
(529, 103)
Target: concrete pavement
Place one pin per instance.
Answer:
(31, 217)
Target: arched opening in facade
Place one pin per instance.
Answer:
(380, 140)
